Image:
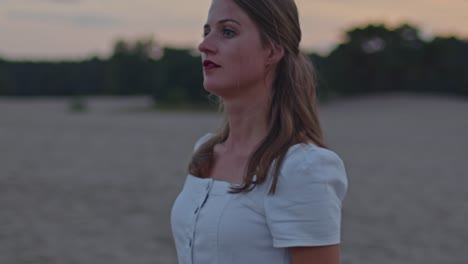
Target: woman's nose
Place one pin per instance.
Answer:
(208, 45)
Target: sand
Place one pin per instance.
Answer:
(97, 187)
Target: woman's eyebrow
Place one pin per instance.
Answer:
(224, 21)
(228, 20)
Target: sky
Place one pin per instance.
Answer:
(72, 29)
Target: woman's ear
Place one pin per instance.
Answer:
(275, 54)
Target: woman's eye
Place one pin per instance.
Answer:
(228, 33)
(205, 33)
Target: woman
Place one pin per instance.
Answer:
(263, 189)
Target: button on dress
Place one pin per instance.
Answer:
(212, 226)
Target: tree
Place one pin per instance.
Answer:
(180, 77)
(376, 59)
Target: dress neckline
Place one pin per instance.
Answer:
(210, 185)
(218, 182)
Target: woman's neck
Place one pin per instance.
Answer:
(247, 119)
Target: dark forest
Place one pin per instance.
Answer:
(372, 59)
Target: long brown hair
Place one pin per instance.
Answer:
(292, 114)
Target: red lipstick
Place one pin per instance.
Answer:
(209, 65)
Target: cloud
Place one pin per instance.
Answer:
(81, 20)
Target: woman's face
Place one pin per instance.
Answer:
(233, 56)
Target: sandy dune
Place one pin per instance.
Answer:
(97, 187)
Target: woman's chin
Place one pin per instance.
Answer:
(214, 88)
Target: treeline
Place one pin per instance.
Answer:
(375, 59)
(372, 59)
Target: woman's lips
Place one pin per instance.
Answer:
(209, 65)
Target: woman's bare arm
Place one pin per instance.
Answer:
(315, 255)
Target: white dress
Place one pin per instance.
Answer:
(211, 226)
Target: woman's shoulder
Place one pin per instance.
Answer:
(310, 164)
(305, 209)
(307, 154)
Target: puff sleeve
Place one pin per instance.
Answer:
(201, 141)
(306, 207)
